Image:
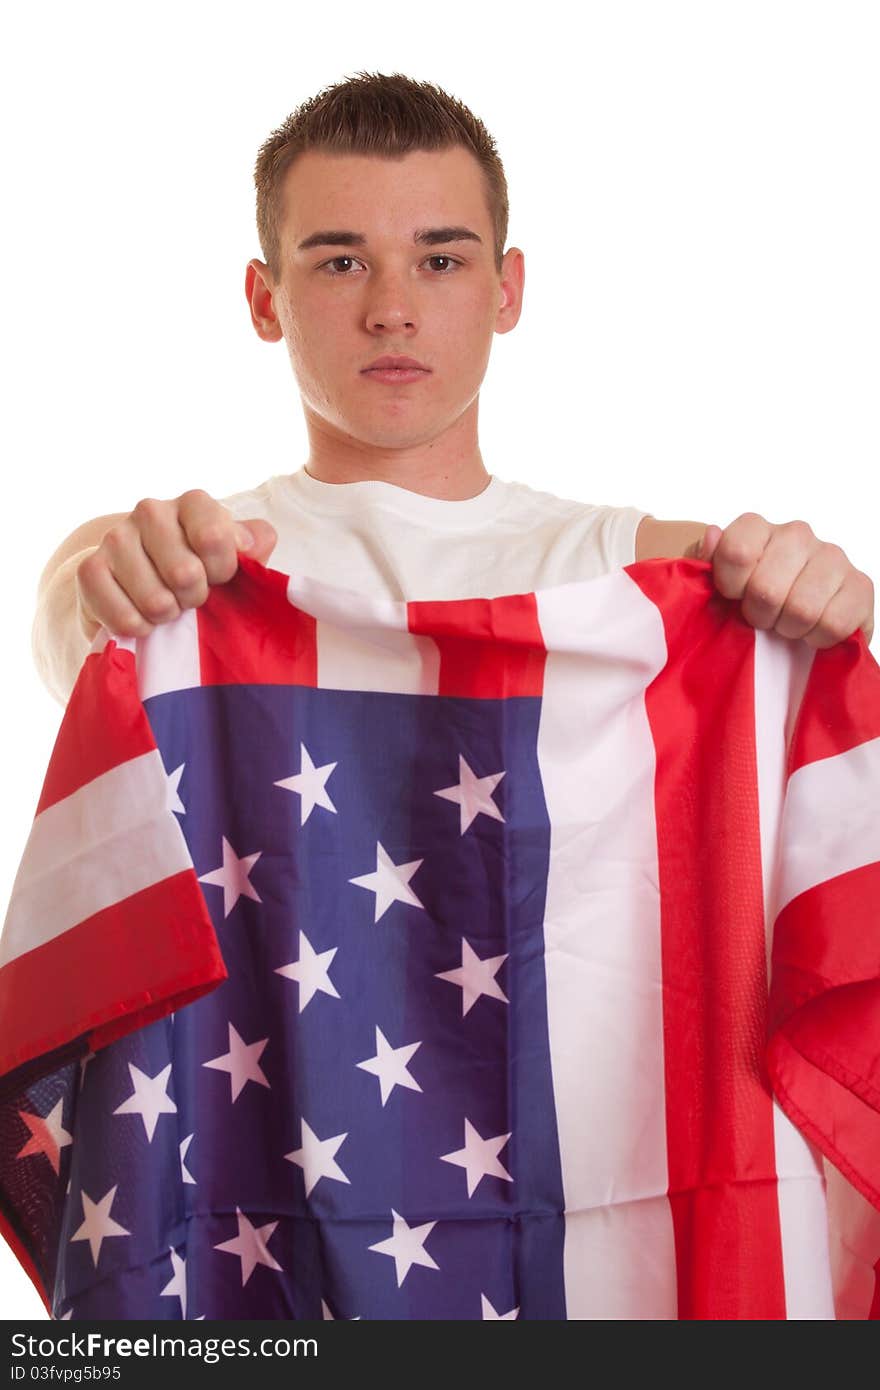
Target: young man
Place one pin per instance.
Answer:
(382, 212)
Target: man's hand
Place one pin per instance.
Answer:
(788, 579)
(161, 558)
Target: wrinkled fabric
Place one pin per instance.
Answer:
(511, 957)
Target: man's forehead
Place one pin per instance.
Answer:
(379, 197)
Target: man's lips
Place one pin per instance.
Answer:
(395, 361)
(396, 374)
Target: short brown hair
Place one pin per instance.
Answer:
(374, 113)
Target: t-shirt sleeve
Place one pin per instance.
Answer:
(617, 535)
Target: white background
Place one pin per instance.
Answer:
(694, 186)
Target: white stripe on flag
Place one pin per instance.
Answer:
(831, 822)
(168, 661)
(388, 657)
(107, 840)
(781, 671)
(602, 947)
(855, 1227)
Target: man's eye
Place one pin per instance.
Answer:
(335, 261)
(342, 273)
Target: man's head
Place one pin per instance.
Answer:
(389, 162)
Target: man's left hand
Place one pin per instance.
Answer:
(789, 580)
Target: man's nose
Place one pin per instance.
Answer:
(391, 302)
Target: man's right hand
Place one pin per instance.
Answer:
(162, 558)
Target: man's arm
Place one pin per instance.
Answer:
(787, 579)
(657, 540)
(59, 635)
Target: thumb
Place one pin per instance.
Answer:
(265, 538)
(711, 537)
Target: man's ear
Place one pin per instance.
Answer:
(259, 291)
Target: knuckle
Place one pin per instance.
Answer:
(737, 550)
(800, 530)
(134, 626)
(763, 594)
(159, 606)
(186, 573)
(800, 612)
(90, 568)
(210, 535)
(195, 494)
(114, 539)
(148, 509)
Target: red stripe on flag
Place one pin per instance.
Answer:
(490, 649)
(251, 634)
(843, 708)
(719, 1115)
(112, 973)
(104, 724)
(825, 1021)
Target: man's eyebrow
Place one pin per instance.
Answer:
(426, 236)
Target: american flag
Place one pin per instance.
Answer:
(498, 958)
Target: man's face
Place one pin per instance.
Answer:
(339, 306)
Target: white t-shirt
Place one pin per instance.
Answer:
(386, 541)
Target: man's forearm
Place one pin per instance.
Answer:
(58, 640)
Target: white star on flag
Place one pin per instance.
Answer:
(251, 1246)
(174, 801)
(149, 1098)
(233, 877)
(475, 977)
(48, 1136)
(479, 1157)
(389, 1065)
(473, 794)
(316, 1157)
(405, 1246)
(242, 1062)
(310, 971)
(98, 1223)
(489, 1314)
(390, 882)
(176, 1287)
(309, 784)
(184, 1172)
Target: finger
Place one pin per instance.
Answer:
(180, 568)
(102, 599)
(810, 593)
(709, 542)
(211, 533)
(738, 551)
(265, 538)
(771, 581)
(845, 613)
(134, 568)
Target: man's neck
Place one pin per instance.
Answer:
(449, 467)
